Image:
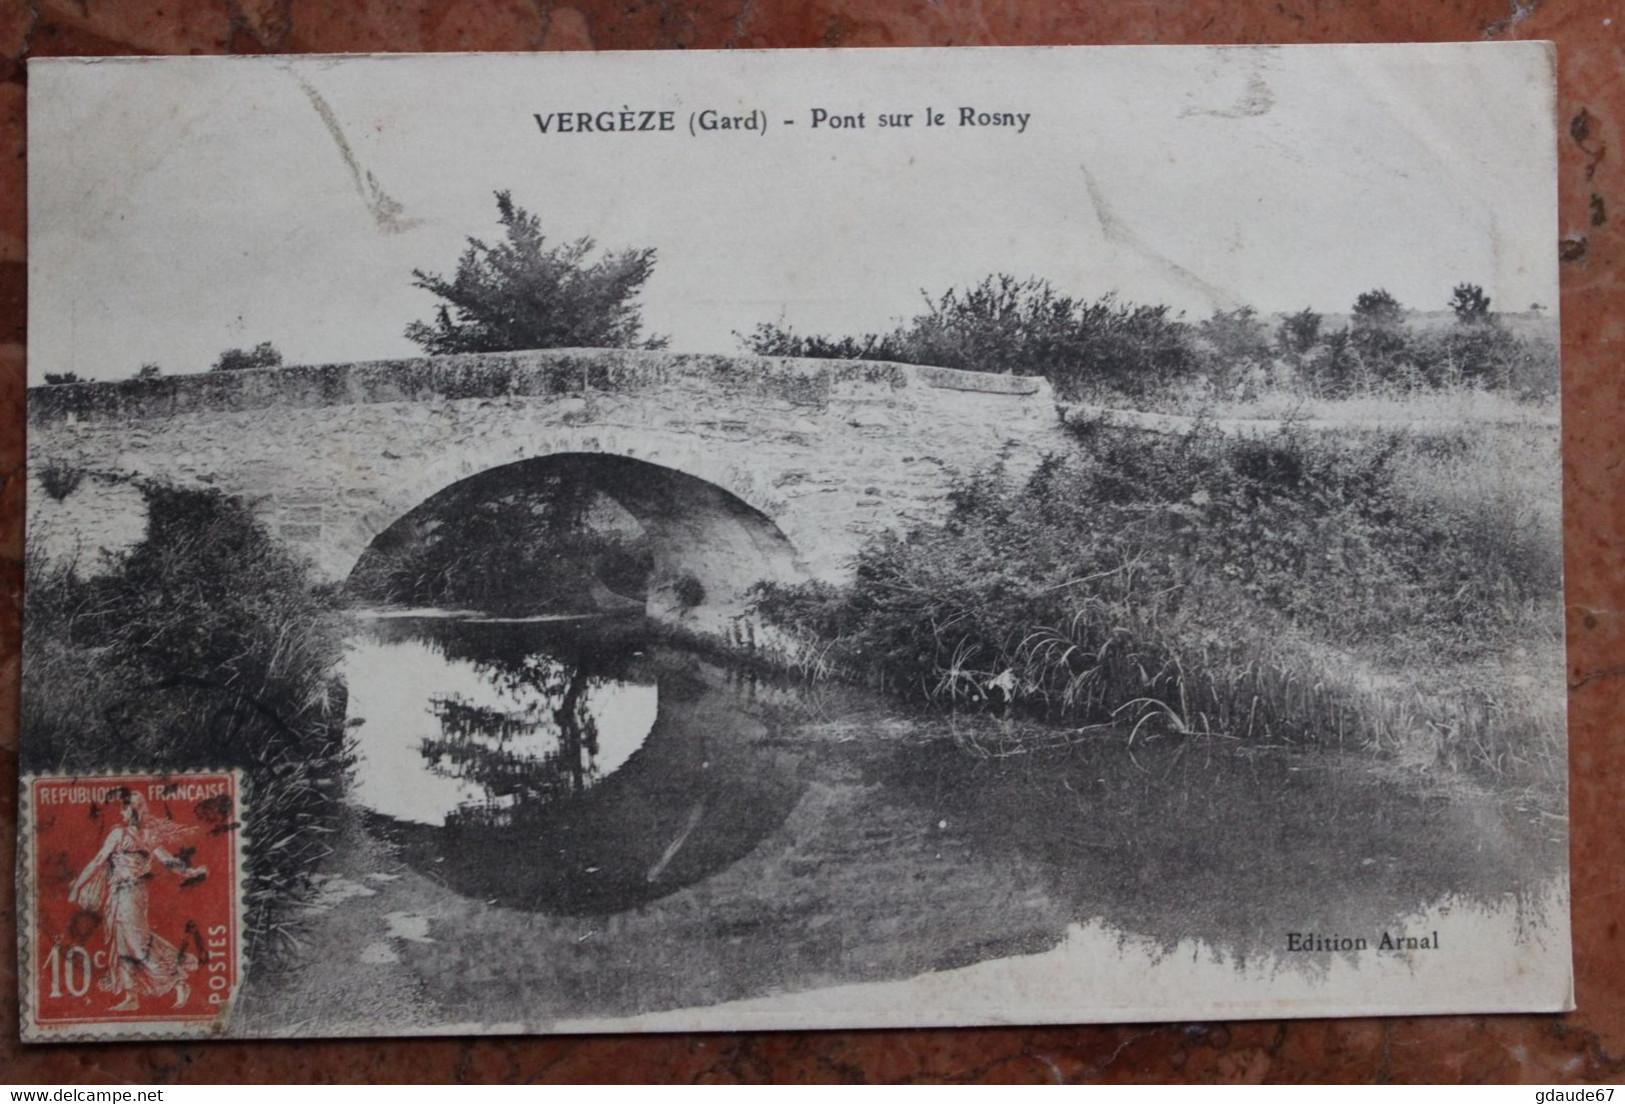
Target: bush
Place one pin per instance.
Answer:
(1194, 583)
(1120, 352)
(1021, 327)
(1299, 333)
(263, 355)
(204, 646)
(1237, 335)
(768, 339)
(1375, 309)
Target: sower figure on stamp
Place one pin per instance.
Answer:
(115, 886)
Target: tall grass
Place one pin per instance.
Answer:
(1285, 590)
(204, 646)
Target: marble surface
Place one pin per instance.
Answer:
(1585, 1046)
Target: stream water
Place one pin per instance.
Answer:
(668, 833)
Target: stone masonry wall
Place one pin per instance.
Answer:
(832, 452)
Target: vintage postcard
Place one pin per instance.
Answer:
(600, 542)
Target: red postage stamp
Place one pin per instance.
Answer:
(131, 905)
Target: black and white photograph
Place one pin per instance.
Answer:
(791, 539)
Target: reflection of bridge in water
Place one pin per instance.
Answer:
(769, 838)
(739, 468)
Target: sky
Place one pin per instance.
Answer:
(182, 206)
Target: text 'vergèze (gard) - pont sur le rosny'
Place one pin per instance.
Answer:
(626, 119)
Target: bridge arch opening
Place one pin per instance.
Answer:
(579, 532)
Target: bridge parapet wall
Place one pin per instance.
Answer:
(540, 373)
(831, 451)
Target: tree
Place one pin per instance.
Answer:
(148, 371)
(1236, 336)
(1298, 333)
(524, 294)
(53, 378)
(1471, 305)
(263, 355)
(1377, 330)
(1377, 308)
(1336, 371)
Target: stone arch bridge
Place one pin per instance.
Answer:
(740, 468)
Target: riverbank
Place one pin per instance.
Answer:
(204, 645)
(1372, 591)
